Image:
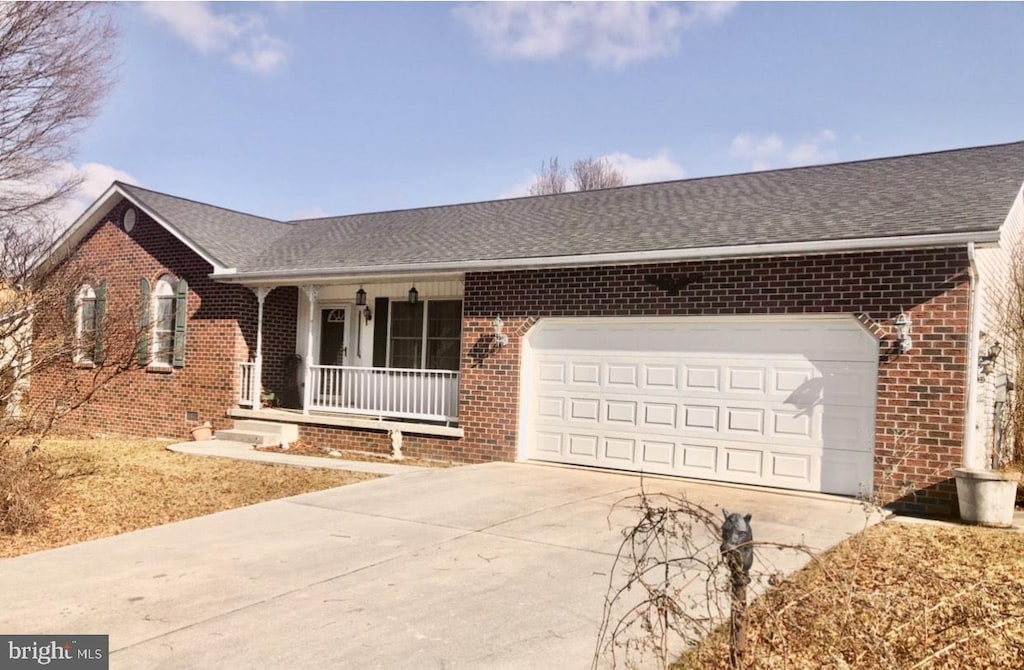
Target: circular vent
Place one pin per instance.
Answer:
(129, 219)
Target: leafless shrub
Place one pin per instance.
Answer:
(587, 174)
(54, 72)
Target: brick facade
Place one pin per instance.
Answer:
(921, 395)
(145, 401)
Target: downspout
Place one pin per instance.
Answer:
(972, 456)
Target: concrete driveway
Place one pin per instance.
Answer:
(490, 566)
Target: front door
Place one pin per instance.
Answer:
(333, 347)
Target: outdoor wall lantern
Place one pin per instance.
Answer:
(987, 361)
(367, 314)
(414, 295)
(903, 341)
(500, 338)
(361, 297)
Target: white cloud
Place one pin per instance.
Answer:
(51, 218)
(309, 213)
(771, 151)
(612, 34)
(243, 38)
(659, 167)
(96, 178)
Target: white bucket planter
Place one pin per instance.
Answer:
(986, 497)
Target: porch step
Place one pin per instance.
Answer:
(260, 433)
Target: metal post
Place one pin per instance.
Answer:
(261, 295)
(307, 388)
(738, 551)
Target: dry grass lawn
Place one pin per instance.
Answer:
(107, 487)
(897, 597)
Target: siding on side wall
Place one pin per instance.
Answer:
(996, 275)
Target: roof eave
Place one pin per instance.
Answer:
(77, 231)
(816, 247)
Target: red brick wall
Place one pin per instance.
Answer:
(921, 395)
(142, 402)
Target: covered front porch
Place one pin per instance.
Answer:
(376, 350)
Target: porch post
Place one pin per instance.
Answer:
(307, 388)
(261, 295)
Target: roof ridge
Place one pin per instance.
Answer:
(200, 202)
(729, 175)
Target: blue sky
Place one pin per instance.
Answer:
(291, 110)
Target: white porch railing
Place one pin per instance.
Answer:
(431, 395)
(247, 388)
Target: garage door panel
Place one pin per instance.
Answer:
(549, 407)
(584, 409)
(750, 402)
(700, 460)
(657, 453)
(659, 415)
(623, 376)
(701, 417)
(701, 378)
(620, 450)
(583, 446)
(660, 377)
(621, 412)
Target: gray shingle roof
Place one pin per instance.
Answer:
(959, 191)
(228, 236)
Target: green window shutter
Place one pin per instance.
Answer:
(180, 323)
(380, 332)
(100, 312)
(71, 332)
(144, 322)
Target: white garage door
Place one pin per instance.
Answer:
(786, 403)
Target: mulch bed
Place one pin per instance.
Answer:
(304, 448)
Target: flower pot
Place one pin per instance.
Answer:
(203, 432)
(986, 497)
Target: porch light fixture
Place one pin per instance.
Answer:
(414, 295)
(903, 341)
(367, 314)
(987, 361)
(500, 338)
(361, 297)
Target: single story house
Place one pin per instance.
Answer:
(818, 328)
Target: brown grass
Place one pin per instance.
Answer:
(899, 596)
(107, 487)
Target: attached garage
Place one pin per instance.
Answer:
(782, 402)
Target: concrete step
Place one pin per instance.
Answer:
(252, 437)
(286, 432)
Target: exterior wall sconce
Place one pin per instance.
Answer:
(500, 338)
(903, 341)
(367, 315)
(361, 297)
(414, 295)
(987, 361)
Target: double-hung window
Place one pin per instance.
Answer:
(89, 305)
(164, 313)
(425, 335)
(163, 320)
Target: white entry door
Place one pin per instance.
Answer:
(788, 403)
